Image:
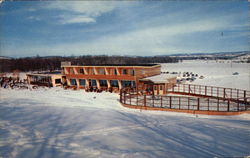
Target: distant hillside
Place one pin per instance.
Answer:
(240, 56)
(54, 63)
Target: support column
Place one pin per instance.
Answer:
(95, 71)
(86, 83)
(77, 83)
(118, 72)
(98, 84)
(108, 82)
(68, 81)
(75, 71)
(106, 71)
(120, 84)
(85, 71)
(28, 79)
(66, 71)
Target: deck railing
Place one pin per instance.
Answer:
(193, 97)
(211, 91)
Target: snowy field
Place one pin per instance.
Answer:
(216, 73)
(50, 123)
(57, 123)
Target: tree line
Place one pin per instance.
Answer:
(54, 63)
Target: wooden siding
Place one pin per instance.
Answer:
(98, 72)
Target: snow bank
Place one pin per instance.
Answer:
(65, 123)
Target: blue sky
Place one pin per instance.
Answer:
(46, 28)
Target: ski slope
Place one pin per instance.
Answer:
(49, 123)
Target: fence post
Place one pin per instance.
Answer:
(130, 98)
(170, 102)
(144, 100)
(188, 103)
(153, 99)
(224, 94)
(199, 89)
(231, 93)
(245, 99)
(228, 104)
(198, 103)
(137, 99)
(205, 90)
(124, 97)
(218, 103)
(179, 102)
(188, 89)
(237, 94)
(161, 101)
(208, 104)
(121, 96)
(238, 105)
(217, 91)
(211, 91)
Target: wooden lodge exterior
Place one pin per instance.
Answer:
(45, 79)
(109, 77)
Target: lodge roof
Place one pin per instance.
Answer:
(144, 65)
(162, 78)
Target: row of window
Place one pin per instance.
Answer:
(103, 72)
(103, 83)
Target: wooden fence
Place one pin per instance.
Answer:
(211, 91)
(193, 97)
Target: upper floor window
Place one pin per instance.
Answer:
(102, 71)
(72, 71)
(124, 71)
(81, 71)
(132, 72)
(93, 71)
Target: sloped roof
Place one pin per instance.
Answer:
(162, 78)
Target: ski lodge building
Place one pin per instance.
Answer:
(49, 79)
(145, 77)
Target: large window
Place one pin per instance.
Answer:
(82, 82)
(103, 83)
(114, 83)
(57, 81)
(128, 84)
(93, 83)
(73, 82)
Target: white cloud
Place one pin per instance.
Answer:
(35, 18)
(149, 41)
(83, 11)
(77, 19)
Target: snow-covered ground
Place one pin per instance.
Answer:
(57, 123)
(49, 123)
(218, 73)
